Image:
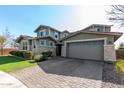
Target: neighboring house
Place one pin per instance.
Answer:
(94, 42)
(25, 42)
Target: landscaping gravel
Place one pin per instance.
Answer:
(110, 78)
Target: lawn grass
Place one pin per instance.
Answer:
(12, 63)
(119, 66)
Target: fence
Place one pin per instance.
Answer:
(5, 51)
(120, 54)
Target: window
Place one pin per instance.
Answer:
(42, 43)
(65, 34)
(98, 29)
(42, 34)
(25, 45)
(56, 36)
(34, 46)
(51, 43)
(23, 48)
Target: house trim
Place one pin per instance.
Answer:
(95, 39)
(116, 34)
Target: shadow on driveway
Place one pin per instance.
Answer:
(73, 67)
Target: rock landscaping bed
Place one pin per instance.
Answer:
(111, 79)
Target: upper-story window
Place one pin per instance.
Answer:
(56, 35)
(42, 34)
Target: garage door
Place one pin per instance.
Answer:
(86, 50)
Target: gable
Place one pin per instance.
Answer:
(23, 37)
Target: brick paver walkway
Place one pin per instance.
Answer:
(34, 77)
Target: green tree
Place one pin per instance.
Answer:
(121, 46)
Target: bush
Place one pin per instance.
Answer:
(13, 52)
(23, 54)
(47, 53)
(39, 57)
(28, 55)
(119, 65)
(20, 53)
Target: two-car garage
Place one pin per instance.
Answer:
(93, 50)
(90, 45)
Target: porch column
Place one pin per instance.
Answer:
(109, 53)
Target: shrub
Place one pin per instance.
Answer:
(17, 53)
(28, 55)
(20, 53)
(23, 54)
(39, 57)
(119, 65)
(47, 53)
(13, 52)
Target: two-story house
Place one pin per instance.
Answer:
(46, 39)
(95, 42)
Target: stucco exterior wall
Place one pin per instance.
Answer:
(109, 53)
(34, 46)
(63, 53)
(21, 44)
(110, 39)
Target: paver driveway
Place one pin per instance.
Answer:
(63, 73)
(73, 67)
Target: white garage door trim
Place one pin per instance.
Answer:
(95, 39)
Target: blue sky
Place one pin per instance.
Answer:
(25, 19)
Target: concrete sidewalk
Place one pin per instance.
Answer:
(8, 81)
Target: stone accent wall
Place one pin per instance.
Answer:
(45, 48)
(63, 54)
(109, 53)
